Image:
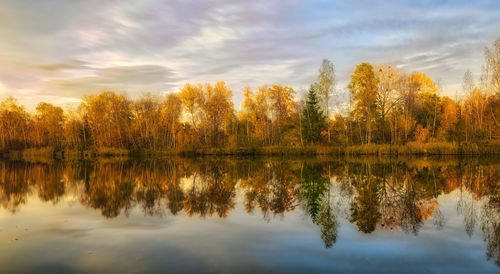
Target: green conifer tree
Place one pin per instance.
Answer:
(313, 118)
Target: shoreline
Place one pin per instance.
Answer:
(410, 149)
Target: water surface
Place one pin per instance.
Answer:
(251, 215)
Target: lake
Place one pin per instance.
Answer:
(251, 215)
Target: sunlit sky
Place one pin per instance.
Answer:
(59, 50)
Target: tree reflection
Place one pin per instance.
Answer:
(365, 208)
(491, 214)
(373, 194)
(272, 188)
(109, 189)
(14, 185)
(315, 193)
(491, 228)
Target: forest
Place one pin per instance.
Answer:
(388, 110)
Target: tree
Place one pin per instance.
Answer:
(49, 121)
(170, 115)
(282, 107)
(427, 111)
(468, 82)
(218, 109)
(325, 86)
(408, 98)
(490, 80)
(491, 70)
(108, 116)
(449, 115)
(390, 80)
(14, 124)
(145, 121)
(76, 132)
(313, 120)
(192, 98)
(475, 106)
(255, 114)
(363, 87)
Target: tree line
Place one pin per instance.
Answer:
(386, 105)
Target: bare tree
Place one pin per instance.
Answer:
(326, 88)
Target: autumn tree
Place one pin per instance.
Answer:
(76, 132)
(427, 113)
(245, 115)
(218, 109)
(145, 122)
(255, 115)
(109, 117)
(170, 113)
(390, 81)
(408, 96)
(449, 112)
(49, 121)
(192, 98)
(363, 87)
(14, 124)
(282, 107)
(475, 107)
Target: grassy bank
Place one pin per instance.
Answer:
(425, 149)
(372, 149)
(52, 153)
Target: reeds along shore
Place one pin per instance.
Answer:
(411, 149)
(390, 112)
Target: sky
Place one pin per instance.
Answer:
(57, 51)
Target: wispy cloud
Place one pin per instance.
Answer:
(134, 79)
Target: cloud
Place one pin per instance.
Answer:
(71, 64)
(67, 49)
(132, 79)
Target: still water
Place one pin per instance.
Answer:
(251, 215)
